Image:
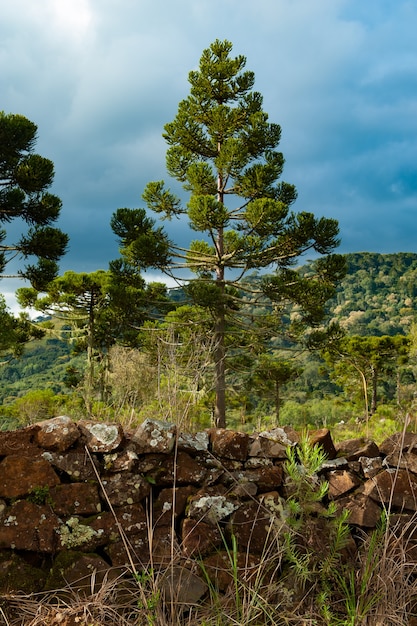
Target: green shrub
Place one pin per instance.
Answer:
(36, 405)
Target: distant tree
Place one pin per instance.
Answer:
(224, 152)
(270, 375)
(25, 178)
(369, 357)
(15, 332)
(104, 307)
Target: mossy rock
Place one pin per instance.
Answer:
(16, 575)
(75, 569)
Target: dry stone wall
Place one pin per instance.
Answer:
(83, 498)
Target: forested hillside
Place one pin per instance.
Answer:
(377, 297)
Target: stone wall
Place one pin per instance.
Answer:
(78, 498)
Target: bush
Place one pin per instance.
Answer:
(36, 405)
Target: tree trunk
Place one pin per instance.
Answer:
(374, 372)
(277, 402)
(220, 321)
(220, 370)
(90, 356)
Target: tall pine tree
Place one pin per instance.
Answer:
(224, 151)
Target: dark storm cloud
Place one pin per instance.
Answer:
(100, 78)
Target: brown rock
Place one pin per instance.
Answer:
(19, 442)
(75, 463)
(364, 511)
(75, 499)
(222, 568)
(403, 459)
(122, 461)
(211, 507)
(125, 488)
(122, 554)
(323, 439)
(395, 488)
(154, 436)
(404, 441)
(189, 470)
(182, 586)
(30, 527)
(199, 538)
(84, 573)
(229, 444)
(170, 504)
(341, 482)
(370, 467)
(252, 526)
(58, 434)
(193, 442)
(18, 576)
(273, 443)
(353, 449)
(101, 437)
(160, 470)
(265, 478)
(19, 475)
(164, 545)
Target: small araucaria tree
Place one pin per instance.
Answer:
(223, 150)
(25, 178)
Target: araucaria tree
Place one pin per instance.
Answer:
(223, 150)
(25, 178)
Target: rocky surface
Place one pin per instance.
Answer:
(88, 499)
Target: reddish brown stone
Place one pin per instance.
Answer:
(403, 459)
(121, 461)
(251, 525)
(229, 444)
(404, 441)
(136, 551)
(163, 545)
(363, 511)
(394, 488)
(323, 439)
(222, 570)
(84, 573)
(265, 478)
(353, 449)
(18, 576)
(58, 434)
(75, 499)
(189, 470)
(273, 444)
(20, 475)
(76, 464)
(212, 505)
(182, 586)
(193, 443)
(369, 466)
(341, 482)
(199, 538)
(125, 488)
(30, 527)
(170, 504)
(19, 442)
(101, 437)
(154, 437)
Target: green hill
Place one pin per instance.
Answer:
(377, 297)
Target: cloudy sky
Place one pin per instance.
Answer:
(100, 78)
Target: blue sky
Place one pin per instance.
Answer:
(100, 78)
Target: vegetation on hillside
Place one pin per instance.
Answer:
(170, 374)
